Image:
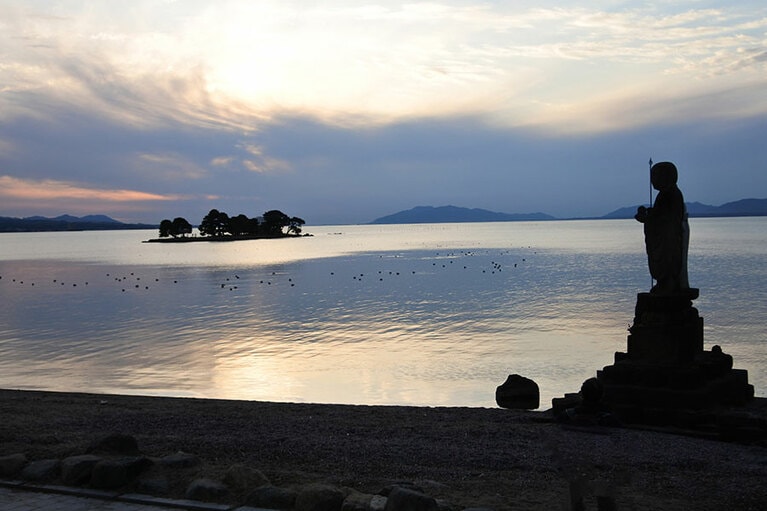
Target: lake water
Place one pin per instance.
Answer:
(431, 315)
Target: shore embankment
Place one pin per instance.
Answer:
(467, 457)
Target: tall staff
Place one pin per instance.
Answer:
(652, 281)
(650, 164)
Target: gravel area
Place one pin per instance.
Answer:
(469, 457)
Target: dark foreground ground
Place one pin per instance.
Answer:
(470, 457)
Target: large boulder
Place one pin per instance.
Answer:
(42, 470)
(271, 497)
(241, 478)
(12, 464)
(153, 482)
(207, 490)
(115, 443)
(77, 469)
(406, 499)
(110, 474)
(319, 497)
(518, 392)
(357, 501)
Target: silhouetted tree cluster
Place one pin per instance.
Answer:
(273, 223)
(215, 223)
(177, 227)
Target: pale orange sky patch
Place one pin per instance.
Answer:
(50, 189)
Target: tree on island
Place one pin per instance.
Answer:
(165, 227)
(240, 225)
(218, 224)
(294, 226)
(215, 223)
(178, 227)
(274, 221)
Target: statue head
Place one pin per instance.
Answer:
(663, 175)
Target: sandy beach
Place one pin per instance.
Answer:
(468, 457)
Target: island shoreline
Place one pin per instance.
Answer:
(192, 239)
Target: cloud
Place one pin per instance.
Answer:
(239, 64)
(629, 108)
(32, 197)
(169, 166)
(258, 161)
(222, 161)
(15, 188)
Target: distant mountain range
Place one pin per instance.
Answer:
(454, 214)
(66, 223)
(744, 207)
(446, 214)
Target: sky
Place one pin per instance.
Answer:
(341, 112)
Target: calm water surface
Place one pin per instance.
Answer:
(432, 315)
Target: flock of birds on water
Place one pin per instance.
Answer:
(126, 281)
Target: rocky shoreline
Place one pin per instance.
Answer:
(362, 458)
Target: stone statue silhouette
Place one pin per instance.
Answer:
(667, 232)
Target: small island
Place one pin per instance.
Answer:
(219, 226)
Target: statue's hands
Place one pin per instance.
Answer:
(641, 215)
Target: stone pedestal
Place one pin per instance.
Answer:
(666, 329)
(666, 377)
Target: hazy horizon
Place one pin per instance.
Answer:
(309, 223)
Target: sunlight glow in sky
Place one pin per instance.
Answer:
(343, 111)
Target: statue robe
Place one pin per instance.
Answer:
(667, 235)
